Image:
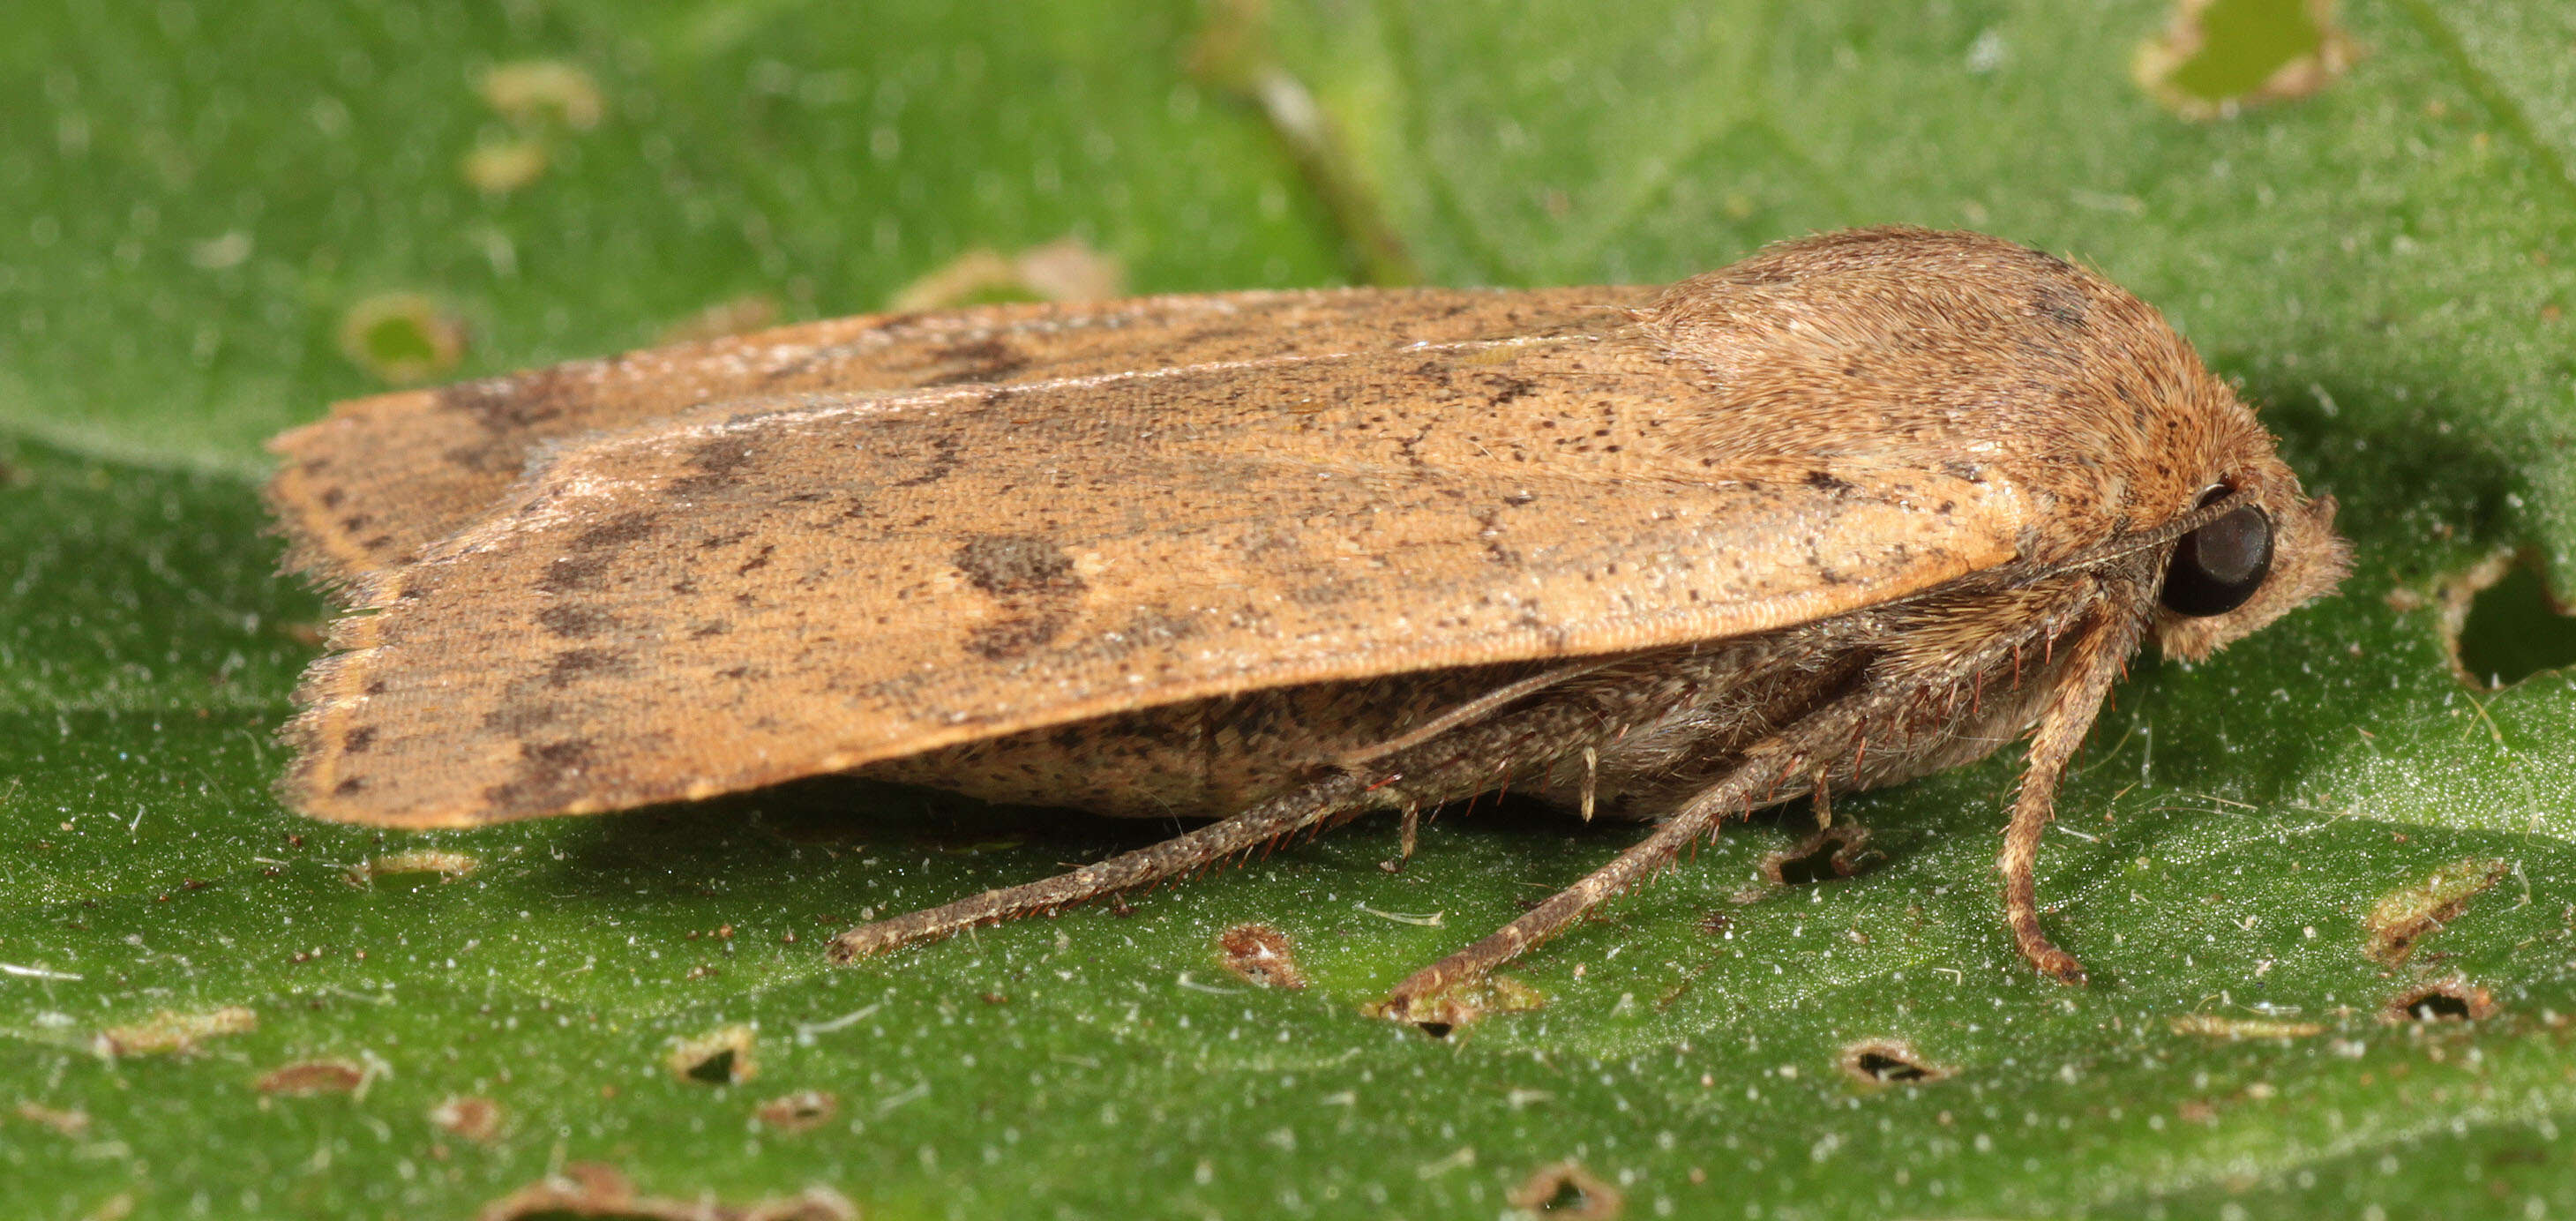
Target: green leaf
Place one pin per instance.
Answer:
(201, 196)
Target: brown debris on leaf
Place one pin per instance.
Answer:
(449, 866)
(1259, 954)
(2407, 915)
(802, 1111)
(2220, 56)
(1566, 1189)
(1442, 1012)
(589, 1189)
(309, 1077)
(168, 1031)
(2214, 1026)
(723, 1057)
(469, 1116)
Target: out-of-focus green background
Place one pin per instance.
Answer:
(216, 218)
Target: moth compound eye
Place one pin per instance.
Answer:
(2218, 566)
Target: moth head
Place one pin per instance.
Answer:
(2276, 550)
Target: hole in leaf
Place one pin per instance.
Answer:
(1835, 852)
(2220, 55)
(401, 337)
(2505, 626)
(721, 1058)
(1889, 1062)
(2448, 1001)
(1566, 1189)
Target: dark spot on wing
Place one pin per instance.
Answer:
(549, 775)
(1507, 388)
(1005, 564)
(570, 574)
(1827, 481)
(758, 561)
(358, 740)
(1012, 638)
(519, 720)
(943, 460)
(573, 621)
(717, 463)
(617, 531)
(518, 402)
(572, 665)
(983, 360)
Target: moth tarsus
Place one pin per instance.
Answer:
(1856, 509)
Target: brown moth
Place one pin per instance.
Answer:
(1856, 509)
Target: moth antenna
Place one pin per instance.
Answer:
(1254, 828)
(2098, 652)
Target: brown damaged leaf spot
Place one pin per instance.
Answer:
(539, 92)
(1442, 1013)
(449, 866)
(498, 167)
(309, 1077)
(588, 1189)
(1061, 270)
(1259, 954)
(802, 1111)
(2215, 1026)
(722, 1057)
(1835, 852)
(169, 1031)
(469, 1116)
(1566, 1189)
(2406, 916)
(402, 337)
(724, 319)
(2449, 1000)
(2220, 56)
(71, 1123)
(1889, 1062)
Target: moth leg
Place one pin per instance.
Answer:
(1732, 795)
(1293, 811)
(1404, 846)
(2099, 653)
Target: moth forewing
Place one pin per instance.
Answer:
(1856, 508)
